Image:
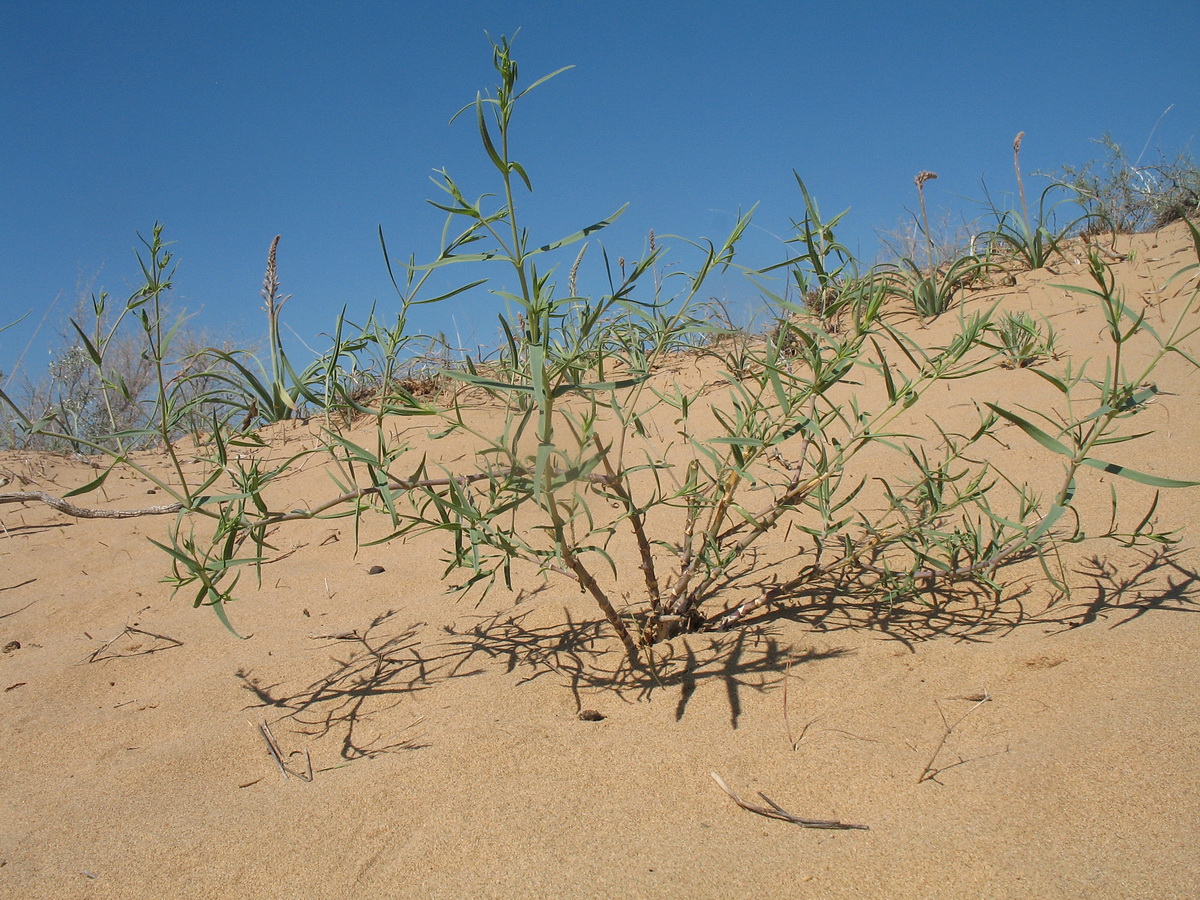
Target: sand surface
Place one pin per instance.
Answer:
(449, 758)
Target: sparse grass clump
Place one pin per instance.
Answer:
(930, 289)
(1125, 196)
(1032, 241)
(1024, 341)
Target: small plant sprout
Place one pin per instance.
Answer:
(1022, 340)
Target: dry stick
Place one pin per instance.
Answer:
(273, 748)
(929, 772)
(775, 811)
(308, 776)
(174, 642)
(277, 754)
(80, 512)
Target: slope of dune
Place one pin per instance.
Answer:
(1043, 747)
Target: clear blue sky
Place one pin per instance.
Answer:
(230, 122)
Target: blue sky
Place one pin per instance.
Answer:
(233, 122)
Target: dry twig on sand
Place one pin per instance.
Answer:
(793, 741)
(774, 811)
(931, 772)
(130, 630)
(80, 512)
(277, 754)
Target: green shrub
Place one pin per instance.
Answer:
(583, 452)
(930, 289)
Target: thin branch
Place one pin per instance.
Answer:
(130, 630)
(739, 612)
(588, 583)
(929, 772)
(680, 600)
(80, 512)
(277, 754)
(615, 484)
(760, 526)
(273, 748)
(406, 485)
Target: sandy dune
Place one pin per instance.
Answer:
(447, 752)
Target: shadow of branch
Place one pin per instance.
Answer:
(582, 655)
(378, 668)
(1136, 590)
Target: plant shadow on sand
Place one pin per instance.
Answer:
(1156, 580)
(378, 668)
(385, 662)
(580, 654)
(1125, 595)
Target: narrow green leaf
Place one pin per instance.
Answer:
(1058, 383)
(1135, 475)
(92, 485)
(480, 381)
(92, 352)
(734, 441)
(487, 138)
(1032, 430)
(541, 81)
(219, 608)
(449, 294)
(580, 235)
(520, 170)
(594, 386)
(1132, 403)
